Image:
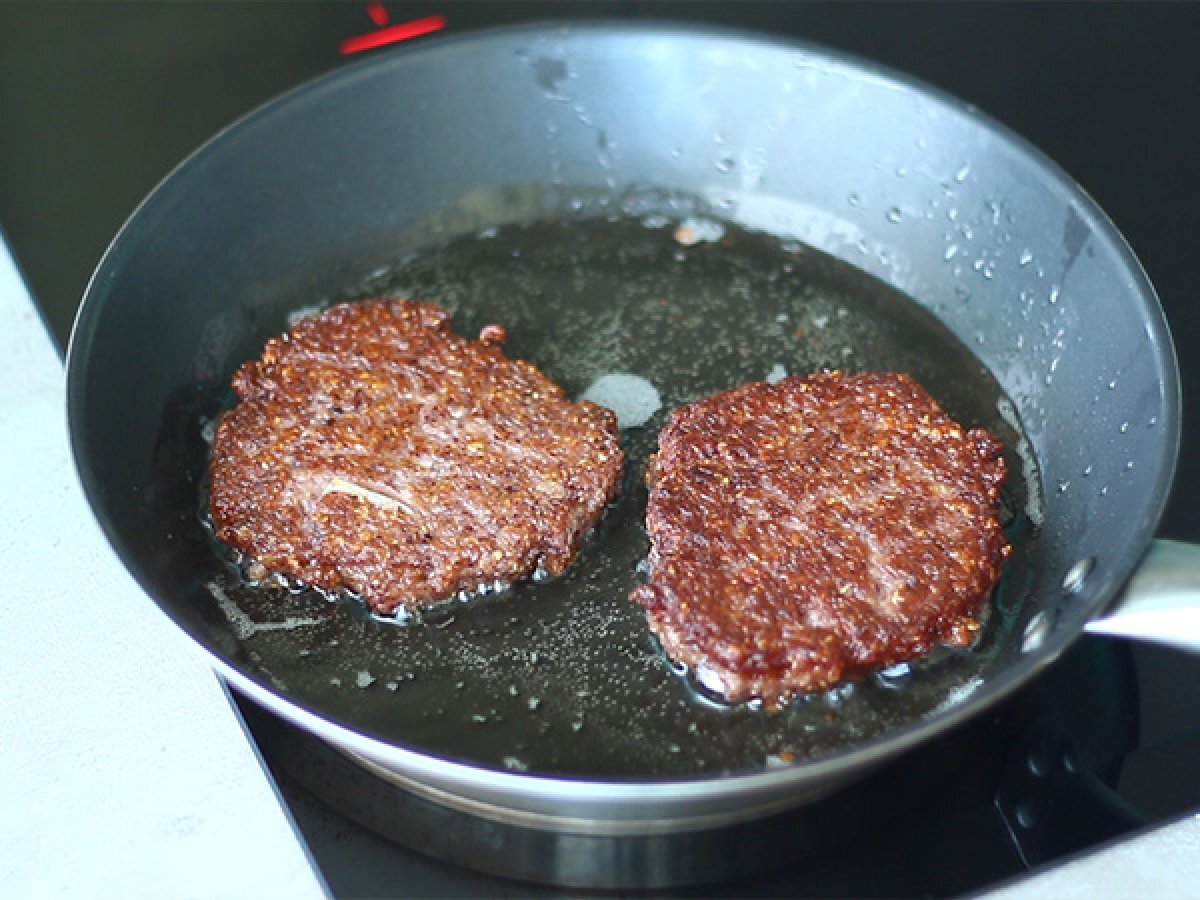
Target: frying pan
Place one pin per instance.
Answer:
(695, 208)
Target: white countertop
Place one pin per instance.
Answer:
(124, 771)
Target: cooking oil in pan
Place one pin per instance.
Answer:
(561, 675)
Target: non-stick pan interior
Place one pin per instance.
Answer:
(692, 208)
(562, 676)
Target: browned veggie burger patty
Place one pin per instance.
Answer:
(374, 449)
(813, 530)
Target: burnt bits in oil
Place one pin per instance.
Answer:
(562, 676)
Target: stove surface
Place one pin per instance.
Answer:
(983, 806)
(100, 101)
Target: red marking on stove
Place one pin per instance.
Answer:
(378, 14)
(401, 31)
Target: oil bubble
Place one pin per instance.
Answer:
(896, 676)
(1073, 581)
(1035, 632)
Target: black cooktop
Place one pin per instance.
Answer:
(99, 100)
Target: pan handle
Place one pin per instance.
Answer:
(1161, 603)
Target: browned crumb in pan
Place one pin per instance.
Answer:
(375, 450)
(811, 531)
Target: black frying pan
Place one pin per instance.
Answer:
(555, 179)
